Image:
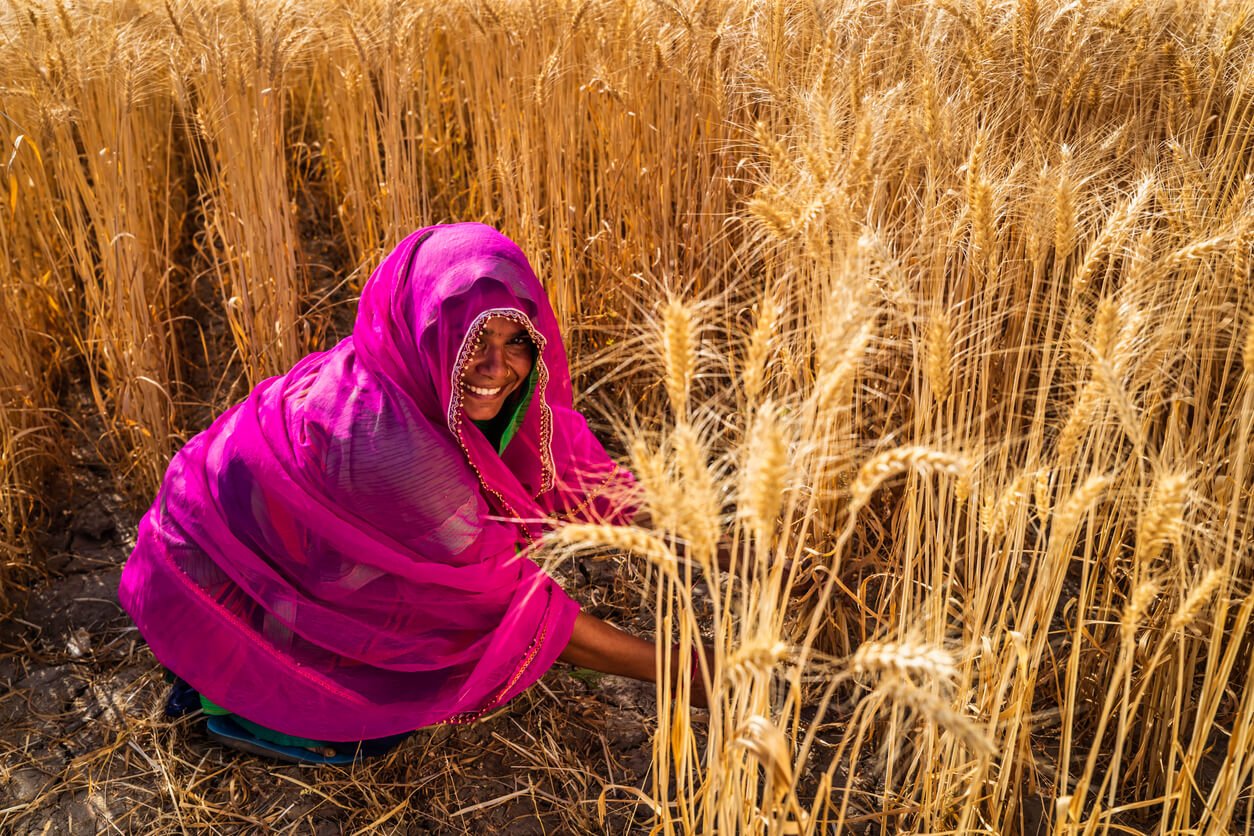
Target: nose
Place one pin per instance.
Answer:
(492, 363)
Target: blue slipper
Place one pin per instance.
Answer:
(229, 733)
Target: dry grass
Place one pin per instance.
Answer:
(938, 315)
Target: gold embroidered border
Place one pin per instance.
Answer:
(591, 495)
(528, 658)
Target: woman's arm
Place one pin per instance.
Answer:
(603, 647)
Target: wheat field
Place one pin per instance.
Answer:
(939, 311)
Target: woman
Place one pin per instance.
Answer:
(335, 561)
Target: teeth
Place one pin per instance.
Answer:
(487, 393)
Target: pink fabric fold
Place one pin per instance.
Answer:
(337, 557)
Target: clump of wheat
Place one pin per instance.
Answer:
(974, 226)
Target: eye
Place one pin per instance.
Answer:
(522, 342)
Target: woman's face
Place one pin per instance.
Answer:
(499, 364)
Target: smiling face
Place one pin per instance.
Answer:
(499, 364)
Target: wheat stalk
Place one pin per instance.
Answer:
(1247, 352)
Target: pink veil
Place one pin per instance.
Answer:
(336, 557)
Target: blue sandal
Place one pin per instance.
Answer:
(183, 699)
(231, 734)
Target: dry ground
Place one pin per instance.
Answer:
(84, 747)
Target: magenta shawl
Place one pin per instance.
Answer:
(337, 556)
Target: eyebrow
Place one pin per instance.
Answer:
(510, 334)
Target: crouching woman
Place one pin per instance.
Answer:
(335, 562)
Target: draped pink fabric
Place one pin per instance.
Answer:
(336, 557)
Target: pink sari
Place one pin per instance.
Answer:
(336, 557)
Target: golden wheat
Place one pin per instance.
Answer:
(1017, 227)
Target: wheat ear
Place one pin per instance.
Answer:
(942, 714)
(766, 472)
(756, 657)
(1162, 521)
(1198, 598)
(996, 513)
(1065, 221)
(899, 460)
(759, 350)
(768, 743)
(1067, 518)
(698, 506)
(1134, 612)
(889, 659)
(938, 355)
(837, 368)
(621, 537)
(1042, 493)
(679, 350)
